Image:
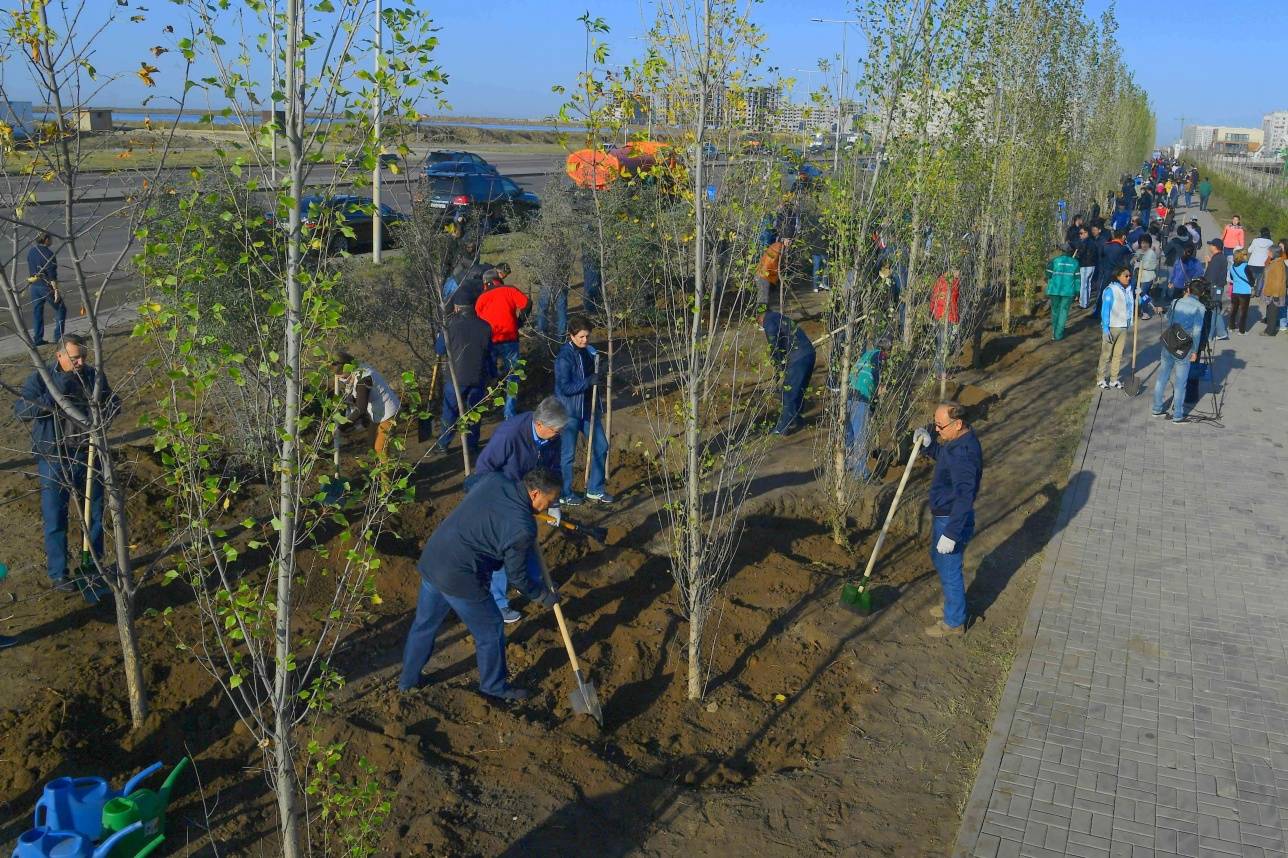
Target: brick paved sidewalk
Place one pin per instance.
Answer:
(1147, 711)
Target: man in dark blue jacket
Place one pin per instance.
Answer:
(42, 274)
(60, 444)
(471, 364)
(1114, 254)
(578, 371)
(521, 444)
(959, 465)
(791, 350)
(493, 525)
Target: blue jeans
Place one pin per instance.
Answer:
(819, 276)
(560, 301)
(40, 295)
(592, 282)
(500, 583)
(1177, 370)
(507, 356)
(598, 453)
(949, 567)
(61, 481)
(1219, 330)
(1189, 196)
(795, 380)
(471, 396)
(481, 617)
(1203, 202)
(856, 438)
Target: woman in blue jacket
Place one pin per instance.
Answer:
(1240, 292)
(577, 372)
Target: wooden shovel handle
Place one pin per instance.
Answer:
(559, 617)
(903, 482)
(89, 493)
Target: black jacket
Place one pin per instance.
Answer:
(1216, 271)
(471, 339)
(491, 527)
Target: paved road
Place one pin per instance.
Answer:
(109, 235)
(1147, 710)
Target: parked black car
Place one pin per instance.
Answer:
(493, 200)
(320, 223)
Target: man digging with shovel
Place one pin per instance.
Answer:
(493, 526)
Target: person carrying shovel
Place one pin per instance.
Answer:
(579, 383)
(60, 443)
(492, 526)
(959, 467)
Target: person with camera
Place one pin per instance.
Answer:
(1185, 321)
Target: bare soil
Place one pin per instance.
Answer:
(823, 732)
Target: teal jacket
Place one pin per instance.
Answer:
(1062, 277)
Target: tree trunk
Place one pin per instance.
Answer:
(124, 592)
(839, 465)
(135, 690)
(697, 619)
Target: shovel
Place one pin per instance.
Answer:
(599, 534)
(87, 577)
(334, 491)
(583, 699)
(425, 427)
(1134, 384)
(859, 596)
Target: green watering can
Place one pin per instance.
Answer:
(145, 806)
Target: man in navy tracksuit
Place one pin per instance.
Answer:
(493, 525)
(42, 274)
(521, 444)
(959, 465)
(792, 351)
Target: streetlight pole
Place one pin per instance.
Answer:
(377, 221)
(808, 87)
(272, 85)
(840, 94)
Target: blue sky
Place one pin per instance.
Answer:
(1212, 63)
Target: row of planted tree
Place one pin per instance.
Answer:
(982, 118)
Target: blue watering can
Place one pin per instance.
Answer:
(43, 843)
(76, 804)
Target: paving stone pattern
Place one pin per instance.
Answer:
(1147, 712)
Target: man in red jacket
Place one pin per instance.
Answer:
(504, 308)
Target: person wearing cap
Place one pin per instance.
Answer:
(1216, 273)
(1274, 282)
(370, 402)
(42, 275)
(504, 308)
(466, 342)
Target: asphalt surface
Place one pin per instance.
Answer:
(103, 198)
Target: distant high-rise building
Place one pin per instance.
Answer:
(1274, 128)
(1222, 138)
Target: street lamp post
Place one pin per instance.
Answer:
(840, 93)
(377, 221)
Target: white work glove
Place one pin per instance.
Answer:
(921, 437)
(556, 516)
(945, 545)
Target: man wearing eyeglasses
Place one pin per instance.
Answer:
(60, 444)
(959, 465)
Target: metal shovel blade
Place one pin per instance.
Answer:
(1133, 386)
(585, 701)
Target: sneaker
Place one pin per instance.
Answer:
(937, 611)
(509, 616)
(939, 630)
(1158, 413)
(571, 500)
(1116, 385)
(1178, 420)
(601, 497)
(1103, 384)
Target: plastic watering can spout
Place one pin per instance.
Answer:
(179, 768)
(106, 848)
(139, 778)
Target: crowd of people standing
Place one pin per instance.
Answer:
(1147, 259)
